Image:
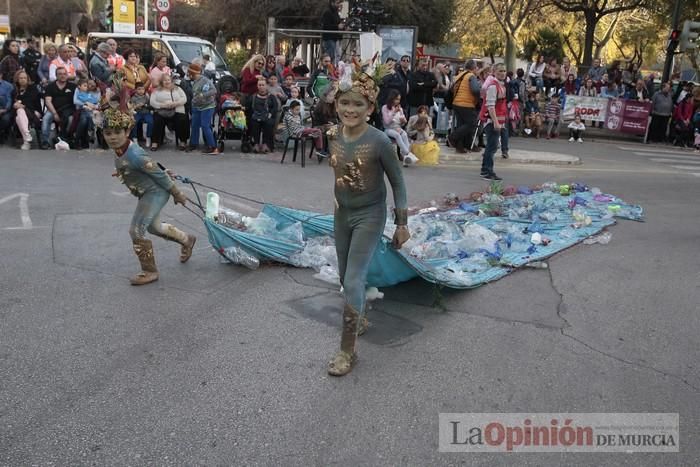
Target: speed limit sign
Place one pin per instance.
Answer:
(163, 6)
(164, 23)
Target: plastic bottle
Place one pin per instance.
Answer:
(212, 205)
(230, 218)
(238, 255)
(603, 239)
(537, 265)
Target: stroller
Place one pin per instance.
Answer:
(231, 115)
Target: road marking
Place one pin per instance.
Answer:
(23, 210)
(695, 173)
(662, 154)
(660, 150)
(685, 167)
(674, 161)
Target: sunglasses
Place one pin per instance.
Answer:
(259, 63)
(405, 60)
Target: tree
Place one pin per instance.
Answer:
(512, 15)
(593, 11)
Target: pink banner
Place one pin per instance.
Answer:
(627, 116)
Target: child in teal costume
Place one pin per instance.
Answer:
(360, 156)
(152, 186)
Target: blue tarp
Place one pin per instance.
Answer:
(435, 252)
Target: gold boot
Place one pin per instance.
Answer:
(144, 251)
(176, 235)
(186, 249)
(345, 359)
(363, 324)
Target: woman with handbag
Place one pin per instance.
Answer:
(168, 102)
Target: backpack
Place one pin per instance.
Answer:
(452, 91)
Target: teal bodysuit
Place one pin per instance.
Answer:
(360, 204)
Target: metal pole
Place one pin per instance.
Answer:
(671, 49)
(145, 14)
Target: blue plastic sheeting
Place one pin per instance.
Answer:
(439, 250)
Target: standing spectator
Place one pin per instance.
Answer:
(649, 83)
(421, 84)
(639, 93)
(116, 60)
(262, 108)
(100, 68)
(552, 115)
(630, 76)
(251, 74)
(614, 73)
(661, 110)
(6, 91)
(299, 68)
(158, 69)
(78, 63)
(324, 114)
(536, 73)
(682, 122)
(597, 71)
(567, 69)
(331, 21)
(27, 106)
(59, 106)
(390, 81)
(274, 89)
(287, 85)
(494, 113)
(203, 106)
(321, 77)
(209, 66)
(50, 53)
(10, 59)
(134, 72)
(62, 61)
(271, 68)
(168, 102)
(443, 79)
(30, 60)
(466, 89)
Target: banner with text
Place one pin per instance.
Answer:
(622, 115)
(589, 108)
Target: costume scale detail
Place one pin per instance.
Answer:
(152, 186)
(360, 156)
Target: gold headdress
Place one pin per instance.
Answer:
(115, 118)
(362, 77)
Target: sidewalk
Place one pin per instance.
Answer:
(517, 156)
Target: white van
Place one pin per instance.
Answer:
(179, 48)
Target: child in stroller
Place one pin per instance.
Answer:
(231, 113)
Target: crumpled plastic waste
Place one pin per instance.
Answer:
(603, 239)
(328, 274)
(372, 293)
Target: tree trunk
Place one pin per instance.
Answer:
(511, 51)
(591, 23)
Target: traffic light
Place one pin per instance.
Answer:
(675, 35)
(109, 15)
(688, 35)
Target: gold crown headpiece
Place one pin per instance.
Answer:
(362, 77)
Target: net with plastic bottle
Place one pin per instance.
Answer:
(459, 243)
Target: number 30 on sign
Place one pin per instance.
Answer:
(163, 6)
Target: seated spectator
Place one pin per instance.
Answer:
(158, 69)
(262, 108)
(10, 59)
(322, 77)
(567, 69)
(115, 60)
(6, 91)
(533, 118)
(576, 129)
(295, 96)
(552, 77)
(168, 103)
(393, 119)
(299, 68)
(639, 92)
(419, 127)
(85, 103)
(140, 104)
(630, 76)
(588, 89)
(134, 72)
(552, 115)
(536, 73)
(611, 91)
(295, 128)
(27, 107)
(597, 71)
(324, 115)
(50, 53)
(79, 65)
(274, 89)
(570, 86)
(287, 85)
(59, 105)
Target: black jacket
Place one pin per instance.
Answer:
(420, 88)
(30, 98)
(329, 22)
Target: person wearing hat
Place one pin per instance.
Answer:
(152, 186)
(203, 106)
(360, 156)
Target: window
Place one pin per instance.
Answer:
(191, 51)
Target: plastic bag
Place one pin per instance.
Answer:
(62, 145)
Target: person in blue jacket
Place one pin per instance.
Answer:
(152, 186)
(6, 89)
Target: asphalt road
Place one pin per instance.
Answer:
(218, 365)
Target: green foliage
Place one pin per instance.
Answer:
(546, 41)
(433, 17)
(236, 59)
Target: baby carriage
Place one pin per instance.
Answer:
(231, 113)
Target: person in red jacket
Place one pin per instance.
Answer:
(251, 72)
(493, 113)
(682, 125)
